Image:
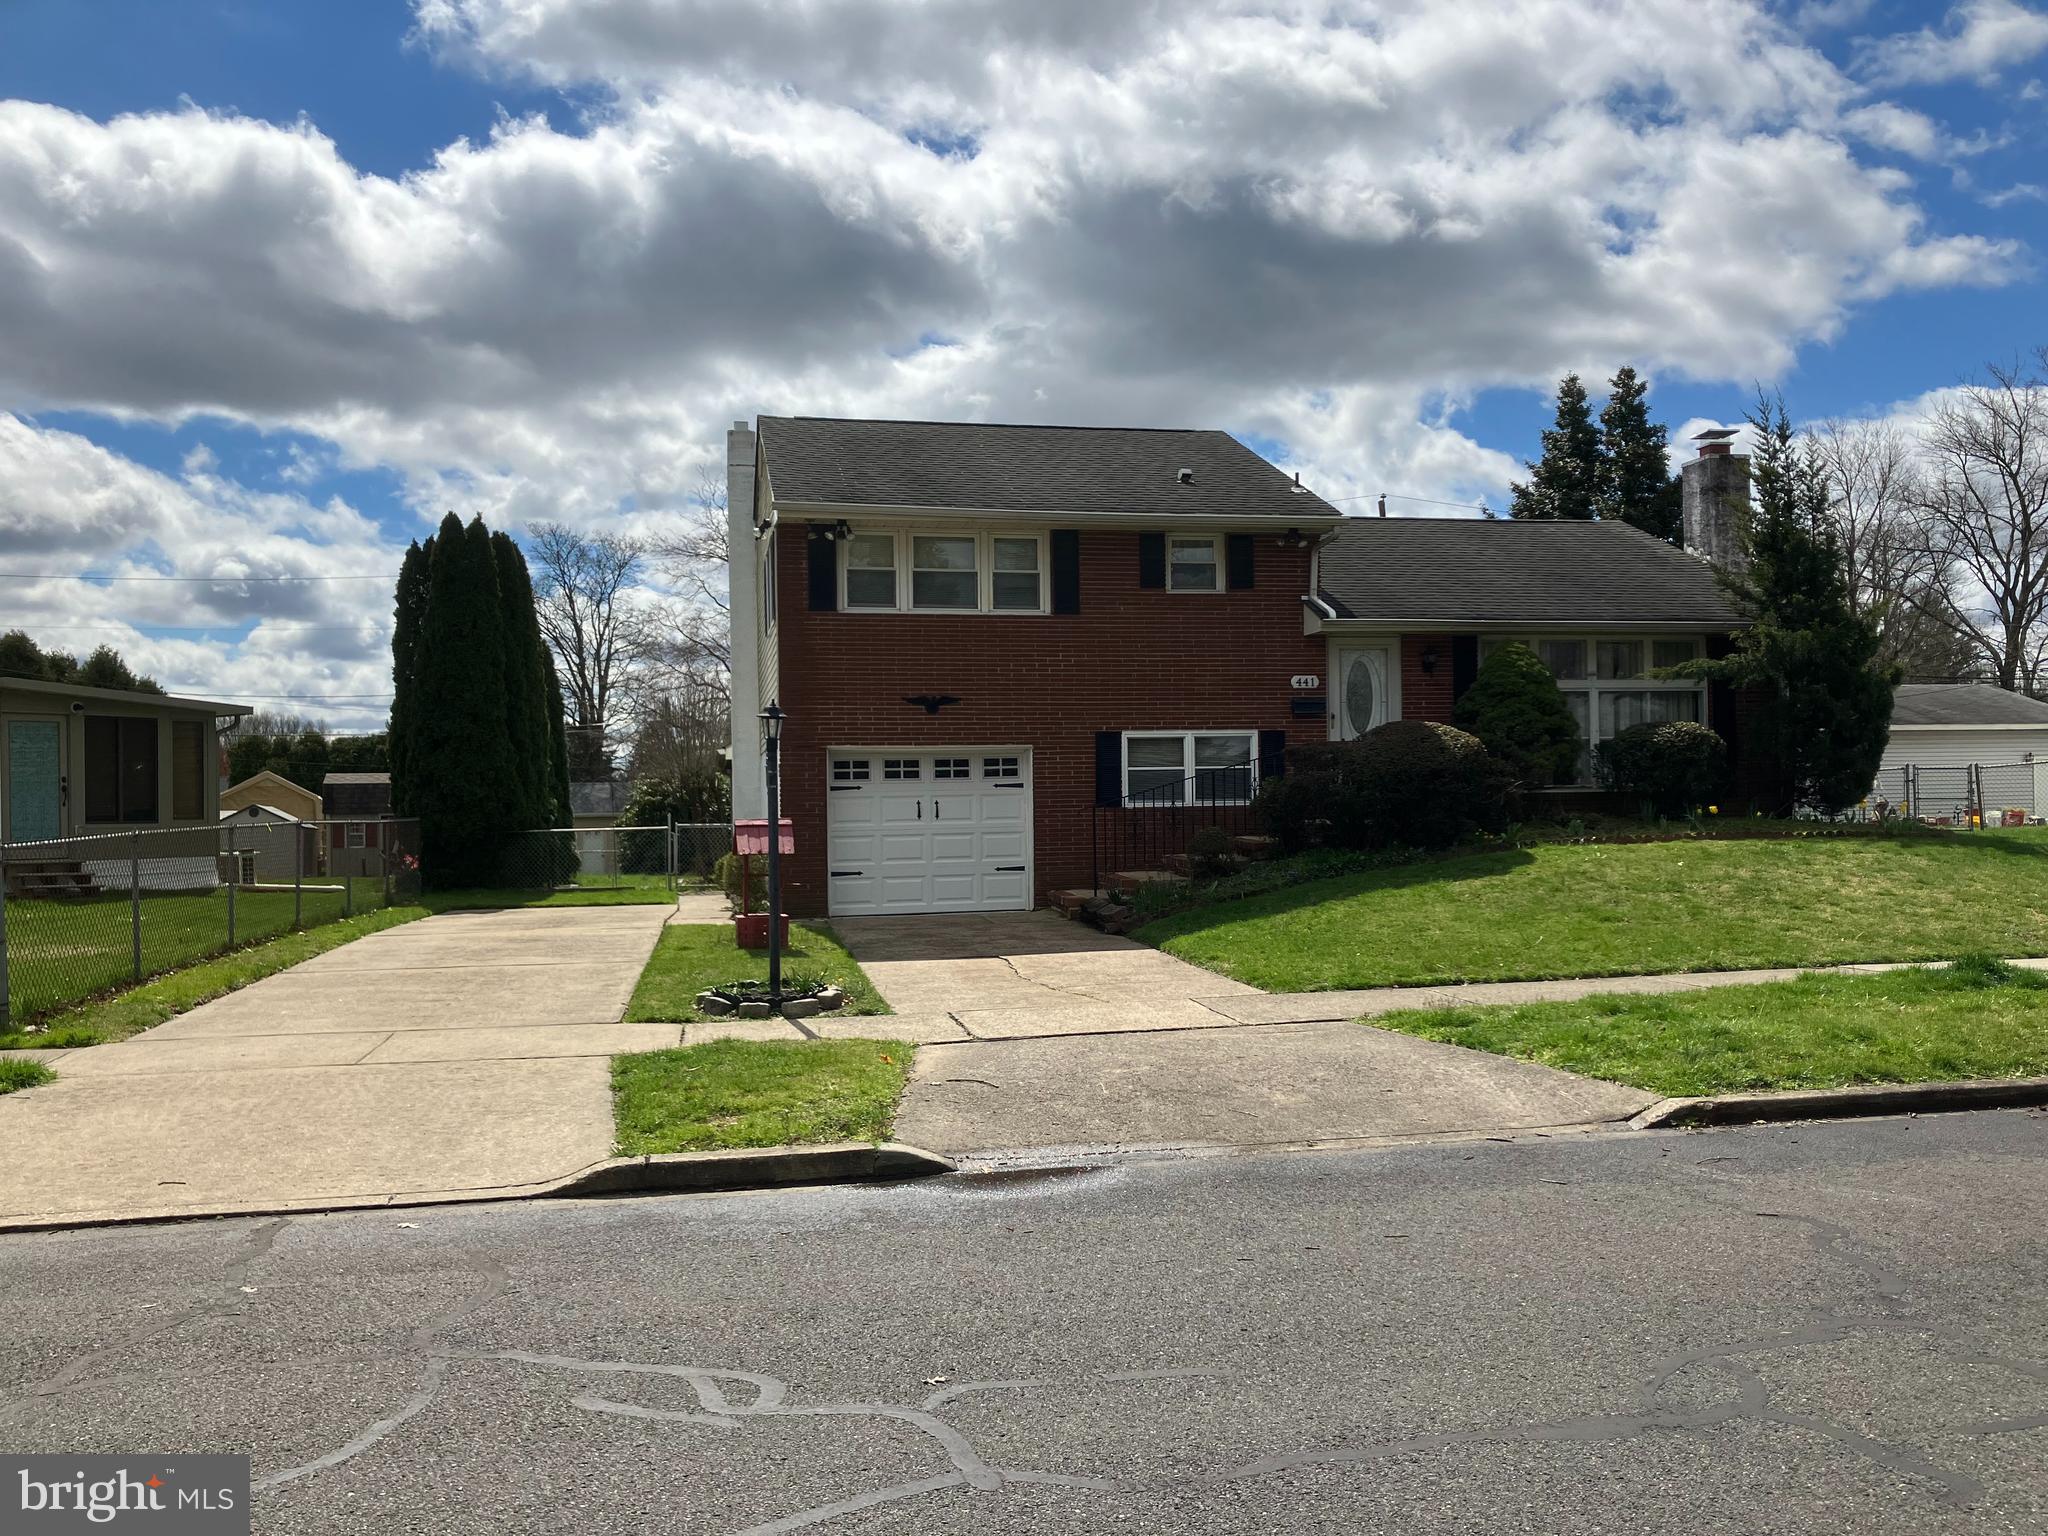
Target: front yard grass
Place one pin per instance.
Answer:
(1977, 1018)
(693, 956)
(755, 1093)
(1629, 909)
(17, 1072)
(647, 891)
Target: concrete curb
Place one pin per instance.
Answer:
(1840, 1103)
(733, 1170)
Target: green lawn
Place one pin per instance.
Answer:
(1979, 1018)
(693, 956)
(1625, 909)
(18, 1072)
(474, 898)
(749, 1093)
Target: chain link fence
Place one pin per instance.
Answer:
(1966, 796)
(84, 915)
(660, 857)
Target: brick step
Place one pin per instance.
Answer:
(1252, 845)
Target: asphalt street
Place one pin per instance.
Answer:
(1815, 1328)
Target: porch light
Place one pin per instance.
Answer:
(842, 530)
(1428, 658)
(771, 722)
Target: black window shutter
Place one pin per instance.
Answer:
(1272, 754)
(1237, 561)
(1109, 767)
(824, 552)
(1151, 559)
(1464, 664)
(1066, 571)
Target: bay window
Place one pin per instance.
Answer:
(1162, 767)
(943, 572)
(1605, 683)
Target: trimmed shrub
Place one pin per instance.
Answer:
(1412, 783)
(727, 873)
(1516, 708)
(1676, 765)
(1209, 852)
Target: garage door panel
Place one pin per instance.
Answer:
(930, 833)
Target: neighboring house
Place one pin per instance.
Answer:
(984, 636)
(77, 761)
(268, 845)
(274, 790)
(1957, 745)
(357, 805)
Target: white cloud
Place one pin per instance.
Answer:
(1978, 39)
(1315, 222)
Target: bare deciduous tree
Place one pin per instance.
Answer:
(1896, 574)
(1985, 500)
(683, 692)
(582, 585)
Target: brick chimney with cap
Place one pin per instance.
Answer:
(1715, 499)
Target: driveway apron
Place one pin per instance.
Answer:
(463, 1052)
(1041, 1033)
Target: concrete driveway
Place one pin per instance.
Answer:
(1037, 1033)
(459, 1053)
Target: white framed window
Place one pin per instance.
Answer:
(1604, 682)
(849, 770)
(902, 768)
(999, 767)
(1016, 572)
(952, 768)
(1190, 767)
(868, 571)
(1194, 564)
(354, 838)
(944, 571)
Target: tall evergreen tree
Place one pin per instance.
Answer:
(1825, 712)
(405, 630)
(1636, 483)
(526, 718)
(460, 761)
(558, 741)
(1564, 485)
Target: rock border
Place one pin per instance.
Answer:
(715, 1005)
(1843, 1103)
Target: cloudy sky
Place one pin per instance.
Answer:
(280, 283)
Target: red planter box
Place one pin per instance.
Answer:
(753, 931)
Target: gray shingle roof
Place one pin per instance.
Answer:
(971, 466)
(1503, 571)
(1964, 704)
(356, 794)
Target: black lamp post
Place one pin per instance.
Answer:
(771, 732)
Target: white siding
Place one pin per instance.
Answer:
(1959, 746)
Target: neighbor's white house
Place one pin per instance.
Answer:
(1943, 731)
(82, 762)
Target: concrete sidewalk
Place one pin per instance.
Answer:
(464, 1052)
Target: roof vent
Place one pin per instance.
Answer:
(1186, 476)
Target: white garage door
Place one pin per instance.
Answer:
(940, 831)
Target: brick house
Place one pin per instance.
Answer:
(984, 637)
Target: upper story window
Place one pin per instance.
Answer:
(943, 572)
(871, 570)
(1193, 565)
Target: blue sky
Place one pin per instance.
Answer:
(275, 322)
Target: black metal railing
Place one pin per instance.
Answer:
(1154, 828)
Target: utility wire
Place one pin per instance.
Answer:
(215, 580)
(1468, 506)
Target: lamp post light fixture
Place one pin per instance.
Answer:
(771, 735)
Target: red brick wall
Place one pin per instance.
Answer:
(1426, 695)
(1132, 659)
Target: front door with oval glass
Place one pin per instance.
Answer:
(1361, 687)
